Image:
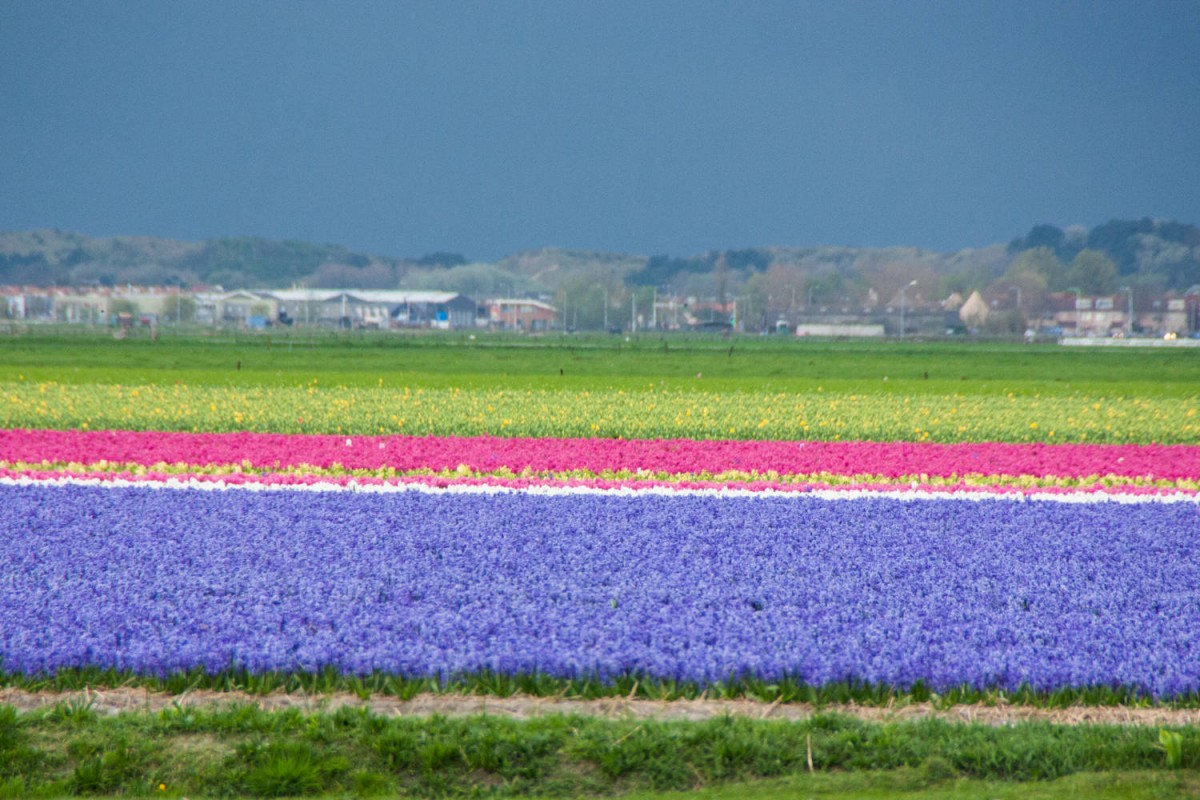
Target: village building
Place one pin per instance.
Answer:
(242, 308)
(103, 305)
(375, 309)
(1127, 312)
(520, 314)
(974, 311)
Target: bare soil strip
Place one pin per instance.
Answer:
(114, 701)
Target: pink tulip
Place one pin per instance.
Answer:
(885, 460)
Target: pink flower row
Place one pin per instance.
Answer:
(676, 456)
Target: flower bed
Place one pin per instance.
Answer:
(698, 586)
(517, 462)
(650, 414)
(1075, 566)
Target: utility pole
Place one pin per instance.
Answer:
(633, 311)
(903, 290)
(722, 278)
(1078, 302)
(1018, 291)
(606, 309)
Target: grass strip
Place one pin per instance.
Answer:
(70, 749)
(583, 363)
(916, 784)
(642, 687)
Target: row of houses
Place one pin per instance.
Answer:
(1004, 310)
(1075, 314)
(1064, 313)
(335, 308)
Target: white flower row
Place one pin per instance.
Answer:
(913, 494)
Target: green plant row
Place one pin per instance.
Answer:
(647, 414)
(329, 681)
(70, 749)
(573, 364)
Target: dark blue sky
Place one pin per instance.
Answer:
(640, 126)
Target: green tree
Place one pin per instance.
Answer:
(825, 289)
(581, 299)
(441, 259)
(756, 302)
(1049, 236)
(1006, 323)
(1040, 261)
(1093, 272)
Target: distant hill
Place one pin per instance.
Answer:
(54, 257)
(1151, 254)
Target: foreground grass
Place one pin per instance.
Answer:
(243, 751)
(917, 784)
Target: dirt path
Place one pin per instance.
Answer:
(113, 701)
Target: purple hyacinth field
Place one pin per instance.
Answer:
(994, 592)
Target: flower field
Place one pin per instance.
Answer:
(692, 587)
(284, 459)
(602, 413)
(995, 542)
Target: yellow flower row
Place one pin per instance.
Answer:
(645, 414)
(623, 476)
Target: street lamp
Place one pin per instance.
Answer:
(904, 289)
(1018, 290)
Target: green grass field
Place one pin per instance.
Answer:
(776, 364)
(645, 388)
(70, 750)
